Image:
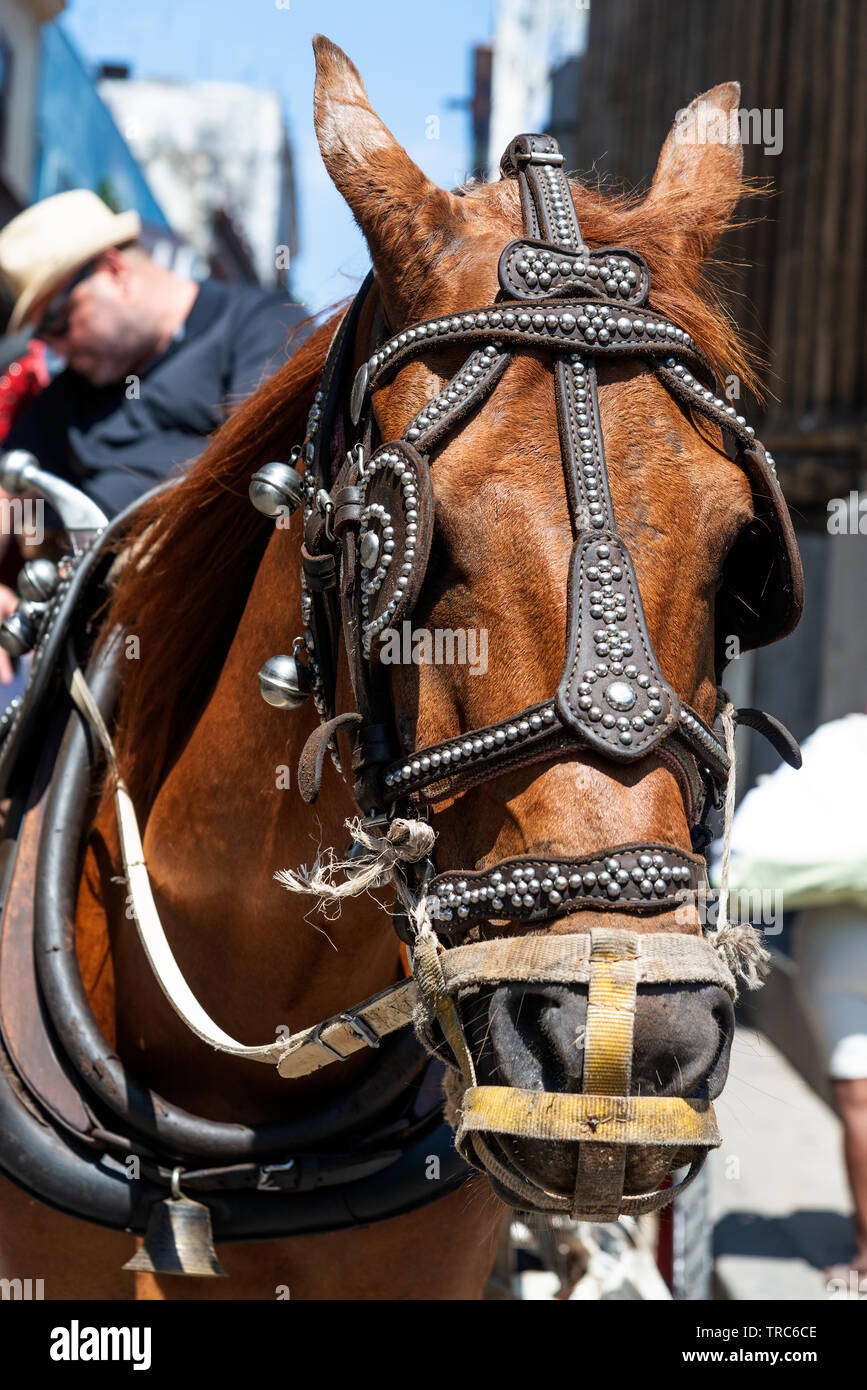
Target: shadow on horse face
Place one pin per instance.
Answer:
(532, 1037)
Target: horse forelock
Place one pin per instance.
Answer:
(688, 289)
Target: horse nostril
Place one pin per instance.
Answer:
(533, 1038)
(683, 1038)
(536, 1036)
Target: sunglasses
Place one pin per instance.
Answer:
(55, 320)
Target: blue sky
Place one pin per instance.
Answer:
(413, 58)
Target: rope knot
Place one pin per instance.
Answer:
(405, 842)
(744, 952)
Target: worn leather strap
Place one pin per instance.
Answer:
(312, 760)
(774, 730)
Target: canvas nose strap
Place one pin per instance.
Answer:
(608, 1041)
(433, 989)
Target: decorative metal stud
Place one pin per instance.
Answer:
(19, 631)
(38, 580)
(369, 549)
(620, 695)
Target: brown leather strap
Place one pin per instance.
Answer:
(463, 393)
(774, 730)
(545, 197)
(312, 759)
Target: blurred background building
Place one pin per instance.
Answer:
(208, 166)
(217, 156)
(533, 40)
(78, 144)
(607, 80)
(21, 24)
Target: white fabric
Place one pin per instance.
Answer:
(803, 833)
(831, 952)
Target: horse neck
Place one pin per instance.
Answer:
(227, 817)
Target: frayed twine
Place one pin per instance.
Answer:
(743, 951)
(405, 842)
(728, 723)
(739, 944)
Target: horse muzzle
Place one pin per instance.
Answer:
(503, 1128)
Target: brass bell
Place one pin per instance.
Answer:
(285, 682)
(276, 487)
(38, 580)
(179, 1238)
(19, 631)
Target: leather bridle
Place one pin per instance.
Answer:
(368, 526)
(613, 698)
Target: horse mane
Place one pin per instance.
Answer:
(193, 554)
(195, 550)
(686, 288)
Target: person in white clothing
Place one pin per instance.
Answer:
(805, 833)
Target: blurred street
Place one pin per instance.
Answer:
(779, 1200)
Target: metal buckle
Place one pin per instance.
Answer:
(265, 1183)
(325, 507)
(357, 1026)
(537, 157)
(356, 455)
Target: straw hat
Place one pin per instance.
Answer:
(46, 244)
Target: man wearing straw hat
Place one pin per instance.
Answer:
(154, 362)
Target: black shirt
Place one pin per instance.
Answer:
(117, 441)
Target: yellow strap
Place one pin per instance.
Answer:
(554, 1115)
(432, 987)
(601, 1169)
(610, 1013)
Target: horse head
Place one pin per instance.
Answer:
(569, 494)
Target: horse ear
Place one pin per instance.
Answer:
(698, 179)
(399, 209)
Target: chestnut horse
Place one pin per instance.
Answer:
(219, 594)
